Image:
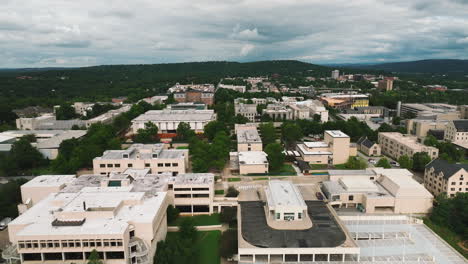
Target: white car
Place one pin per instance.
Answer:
(394, 164)
(372, 161)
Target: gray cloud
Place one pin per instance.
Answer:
(87, 32)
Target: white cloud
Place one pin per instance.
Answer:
(246, 49)
(179, 30)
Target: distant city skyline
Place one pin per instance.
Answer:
(55, 33)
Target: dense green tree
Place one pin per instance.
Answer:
(213, 127)
(228, 243)
(384, 163)
(355, 163)
(430, 140)
(228, 215)
(146, 135)
(405, 162)
(232, 192)
(172, 213)
(10, 197)
(65, 112)
(94, 258)
(452, 213)
(21, 158)
(396, 120)
(276, 156)
(420, 160)
(291, 133)
(184, 132)
(187, 229)
(267, 133)
(240, 119)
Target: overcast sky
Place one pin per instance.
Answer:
(45, 33)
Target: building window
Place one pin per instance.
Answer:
(453, 183)
(167, 164)
(117, 165)
(102, 165)
(452, 189)
(299, 215)
(110, 165)
(160, 165)
(175, 164)
(278, 216)
(125, 156)
(130, 165)
(351, 198)
(147, 165)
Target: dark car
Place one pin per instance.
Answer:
(319, 196)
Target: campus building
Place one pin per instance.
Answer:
(334, 149)
(245, 109)
(440, 176)
(395, 145)
(194, 96)
(308, 109)
(168, 120)
(368, 147)
(385, 84)
(377, 190)
(431, 110)
(422, 127)
(142, 156)
(238, 88)
(278, 112)
(122, 218)
(344, 100)
(248, 138)
(47, 141)
(283, 227)
(249, 162)
(456, 132)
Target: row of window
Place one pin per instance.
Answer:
(199, 195)
(130, 165)
(70, 243)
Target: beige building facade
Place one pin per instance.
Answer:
(248, 138)
(456, 132)
(441, 176)
(334, 149)
(142, 156)
(377, 190)
(395, 145)
(420, 127)
(368, 147)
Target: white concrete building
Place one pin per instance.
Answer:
(47, 141)
(142, 156)
(284, 201)
(456, 132)
(123, 223)
(396, 145)
(192, 193)
(308, 109)
(377, 190)
(249, 162)
(167, 121)
(241, 107)
(248, 138)
(278, 112)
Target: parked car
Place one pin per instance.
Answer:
(372, 161)
(394, 164)
(319, 196)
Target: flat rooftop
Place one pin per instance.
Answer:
(325, 232)
(189, 115)
(248, 136)
(252, 157)
(144, 151)
(49, 181)
(193, 178)
(283, 193)
(316, 144)
(336, 134)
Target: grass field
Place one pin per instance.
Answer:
(182, 147)
(234, 179)
(286, 169)
(447, 235)
(200, 220)
(219, 192)
(318, 166)
(207, 245)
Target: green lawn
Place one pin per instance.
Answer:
(261, 179)
(340, 166)
(208, 244)
(234, 179)
(219, 192)
(208, 247)
(286, 169)
(447, 235)
(182, 147)
(200, 220)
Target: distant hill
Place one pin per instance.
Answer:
(441, 66)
